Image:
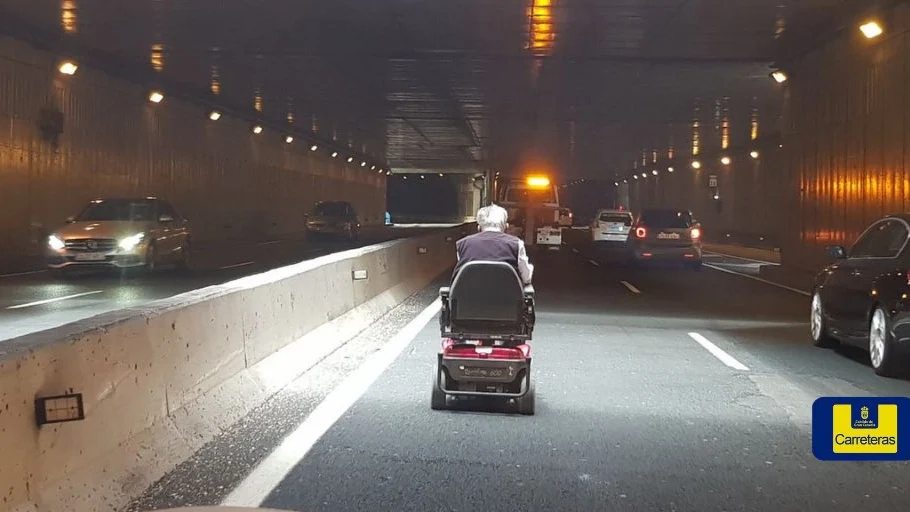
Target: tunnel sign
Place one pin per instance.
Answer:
(712, 181)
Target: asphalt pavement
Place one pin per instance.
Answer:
(658, 389)
(36, 301)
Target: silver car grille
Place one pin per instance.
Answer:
(91, 245)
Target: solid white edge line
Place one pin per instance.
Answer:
(718, 352)
(271, 471)
(238, 265)
(763, 262)
(760, 280)
(58, 299)
(20, 274)
(630, 287)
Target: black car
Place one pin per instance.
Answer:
(664, 235)
(863, 298)
(335, 219)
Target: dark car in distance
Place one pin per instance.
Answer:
(666, 235)
(863, 298)
(336, 219)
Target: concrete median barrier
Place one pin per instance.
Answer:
(158, 382)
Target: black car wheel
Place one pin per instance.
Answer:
(882, 354)
(818, 326)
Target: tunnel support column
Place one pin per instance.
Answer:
(469, 197)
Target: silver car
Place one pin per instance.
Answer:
(121, 234)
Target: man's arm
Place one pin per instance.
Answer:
(525, 268)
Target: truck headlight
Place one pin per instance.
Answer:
(55, 243)
(129, 243)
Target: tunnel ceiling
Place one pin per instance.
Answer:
(454, 85)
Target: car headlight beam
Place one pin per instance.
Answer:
(129, 243)
(55, 243)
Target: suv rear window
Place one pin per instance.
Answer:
(330, 209)
(670, 219)
(616, 217)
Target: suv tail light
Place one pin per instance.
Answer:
(695, 233)
(641, 232)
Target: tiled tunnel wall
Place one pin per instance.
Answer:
(843, 161)
(847, 136)
(231, 184)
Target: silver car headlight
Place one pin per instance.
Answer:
(131, 242)
(55, 243)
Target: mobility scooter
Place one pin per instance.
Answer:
(486, 322)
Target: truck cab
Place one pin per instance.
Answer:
(534, 211)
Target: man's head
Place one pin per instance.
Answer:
(492, 218)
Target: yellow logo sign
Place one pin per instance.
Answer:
(863, 434)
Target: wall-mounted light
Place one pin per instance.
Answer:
(644, 175)
(754, 154)
(441, 175)
(214, 115)
(257, 129)
(350, 159)
(314, 147)
(156, 97)
(373, 168)
(289, 139)
(615, 183)
(670, 169)
(334, 154)
(725, 160)
(654, 172)
(423, 177)
(636, 176)
(68, 67)
(363, 164)
(696, 164)
(779, 76)
(871, 29)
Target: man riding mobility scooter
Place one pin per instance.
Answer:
(486, 322)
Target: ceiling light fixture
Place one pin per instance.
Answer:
(68, 67)
(871, 29)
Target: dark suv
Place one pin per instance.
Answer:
(335, 219)
(667, 235)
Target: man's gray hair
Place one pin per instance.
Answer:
(492, 218)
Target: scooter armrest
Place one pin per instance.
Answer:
(444, 292)
(529, 291)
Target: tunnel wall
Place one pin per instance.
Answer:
(847, 136)
(231, 184)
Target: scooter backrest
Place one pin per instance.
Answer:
(487, 291)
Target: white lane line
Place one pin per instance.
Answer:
(760, 280)
(718, 352)
(58, 299)
(275, 468)
(20, 274)
(763, 262)
(592, 262)
(244, 264)
(630, 287)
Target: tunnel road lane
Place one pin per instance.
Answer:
(37, 301)
(635, 412)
